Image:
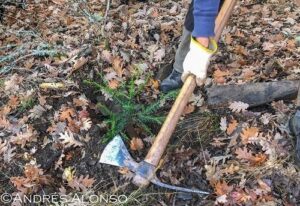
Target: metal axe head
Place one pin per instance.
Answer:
(116, 153)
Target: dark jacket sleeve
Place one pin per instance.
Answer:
(205, 12)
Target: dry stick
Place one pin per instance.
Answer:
(160, 143)
(105, 16)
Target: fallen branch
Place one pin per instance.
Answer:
(254, 94)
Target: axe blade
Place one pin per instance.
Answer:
(116, 154)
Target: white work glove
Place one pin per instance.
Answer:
(197, 60)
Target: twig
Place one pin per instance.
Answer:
(107, 9)
(105, 16)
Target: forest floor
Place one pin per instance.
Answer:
(75, 73)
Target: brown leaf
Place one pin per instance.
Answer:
(3, 146)
(22, 138)
(113, 84)
(241, 50)
(247, 133)
(136, 144)
(228, 39)
(231, 127)
(217, 142)
(67, 114)
(243, 153)
(68, 140)
(219, 73)
(107, 56)
(154, 83)
(79, 63)
(258, 159)
(29, 63)
(5, 110)
(219, 76)
(264, 185)
(248, 74)
(80, 101)
(59, 2)
(42, 100)
(240, 197)
(231, 169)
(13, 102)
(222, 188)
(82, 183)
(188, 109)
(127, 174)
(117, 64)
(4, 123)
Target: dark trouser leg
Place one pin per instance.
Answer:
(182, 50)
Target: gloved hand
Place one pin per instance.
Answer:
(197, 60)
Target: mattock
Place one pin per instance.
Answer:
(115, 153)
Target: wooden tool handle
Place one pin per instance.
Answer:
(160, 143)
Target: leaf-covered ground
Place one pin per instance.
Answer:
(52, 129)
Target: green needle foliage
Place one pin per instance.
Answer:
(131, 111)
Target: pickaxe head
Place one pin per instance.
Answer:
(115, 153)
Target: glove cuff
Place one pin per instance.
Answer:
(212, 48)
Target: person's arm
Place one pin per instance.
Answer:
(205, 12)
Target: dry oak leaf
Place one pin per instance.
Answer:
(264, 186)
(247, 133)
(3, 146)
(13, 102)
(258, 159)
(219, 73)
(188, 109)
(9, 153)
(127, 174)
(82, 183)
(217, 142)
(67, 114)
(74, 126)
(36, 112)
(23, 137)
(4, 111)
(86, 124)
(68, 140)
(243, 153)
(12, 85)
(113, 84)
(248, 74)
(136, 144)
(4, 123)
(231, 169)
(33, 180)
(221, 199)
(228, 39)
(231, 127)
(238, 106)
(59, 2)
(219, 76)
(159, 54)
(117, 64)
(223, 124)
(80, 101)
(107, 56)
(222, 188)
